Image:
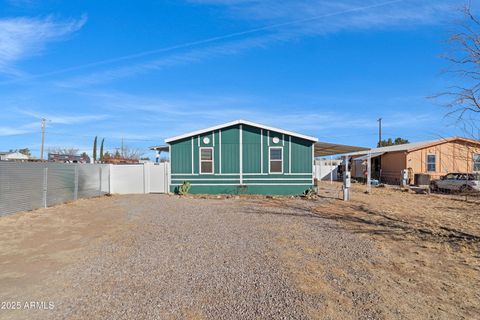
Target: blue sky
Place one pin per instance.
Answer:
(147, 70)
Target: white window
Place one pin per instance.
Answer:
(431, 163)
(206, 160)
(276, 160)
(476, 162)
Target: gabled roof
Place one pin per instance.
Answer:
(236, 122)
(413, 146)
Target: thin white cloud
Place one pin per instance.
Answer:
(177, 59)
(163, 116)
(11, 131)
(357, 13)
(25, 37)
(65, 119)
(282, 21)
(19, 130)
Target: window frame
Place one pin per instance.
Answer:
(270, 160)
(434, 163)
(200, 160)
(476, 163)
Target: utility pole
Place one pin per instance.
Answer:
(379, 131)
(43, 137)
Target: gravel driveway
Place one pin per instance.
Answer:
(217, 259)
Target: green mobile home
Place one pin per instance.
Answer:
(242, 157)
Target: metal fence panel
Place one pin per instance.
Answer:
(28, 186)
(60, 183)
(21, 186)
(90, 180)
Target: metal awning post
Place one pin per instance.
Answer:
(346, 181)
(331, 169)
(369, 172)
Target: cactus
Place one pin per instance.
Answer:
(183, 189)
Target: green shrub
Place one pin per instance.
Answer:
(309, 193)
(183, 189)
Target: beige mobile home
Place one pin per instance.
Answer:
(436, 158)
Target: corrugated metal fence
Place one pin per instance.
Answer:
(28, 186)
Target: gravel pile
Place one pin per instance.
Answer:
(209, 259)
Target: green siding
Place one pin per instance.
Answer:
(296, 177)
(181, 156)
(251, 149)
(231, 150)
(301, 156)
(196, 152)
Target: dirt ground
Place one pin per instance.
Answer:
(430, 245)
(34, 245)
(385, 255)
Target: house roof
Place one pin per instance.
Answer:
(412, 146)
(232, 123)
(371, 156)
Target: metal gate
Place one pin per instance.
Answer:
(157, 176)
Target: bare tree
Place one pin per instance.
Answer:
(464, 99)
(63, 150)
(131, 153)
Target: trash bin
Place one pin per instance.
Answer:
(422, 179)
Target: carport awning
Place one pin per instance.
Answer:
(372, 155)
(160, 148)
(329, 149)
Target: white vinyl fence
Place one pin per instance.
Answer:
(28, 186)
(139, 178)
(326, 169)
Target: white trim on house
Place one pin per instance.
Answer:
(205, 179)
(241, 153)
(474, 163)
(275, 179)
(246, 179)
(244, 174)
(220, 151)
(200, 160)
(426, 162)
(269, 160)
(213, 138)
(193, 159)
(313, 164)
(261, 151)
(290, 155)
(246, 122)
(246, 184)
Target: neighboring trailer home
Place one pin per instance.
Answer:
(242, 157)
(13, 156)
(436, 158)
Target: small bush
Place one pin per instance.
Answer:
(183, 189)
(309, 193)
